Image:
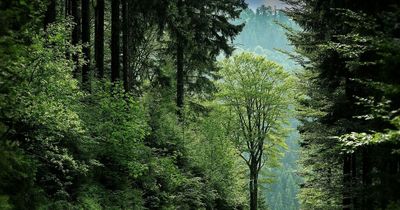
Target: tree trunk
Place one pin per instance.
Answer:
(180, 91)
(99, 38)
(253, 187)
(354, 180)
(346, 182)
(115, 33)
(125, 56)
(86, 43)
(366, 179)
(67, 14)
(348, 158)
(75, 32)
(67, 8)
(50, 16)
(179, 79)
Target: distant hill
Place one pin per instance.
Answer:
(264, 36)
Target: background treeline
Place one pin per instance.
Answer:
(350, 113)
(100, 105)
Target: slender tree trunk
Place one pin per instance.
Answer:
(125, 56)
(384, 169)
(99, 39)
(67, 8)
(346, 182)
(50, 16)
(329, 182)
(76, 32)
(348, 158)
(115, 33)
(366, 179)
(86, 43)
(67, 14)
(180, 91)
(253, 186)
(354, 179)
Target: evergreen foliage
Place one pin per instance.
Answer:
(349, 111)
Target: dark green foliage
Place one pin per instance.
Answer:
(200, 31)
(347, 50)
(17, 14)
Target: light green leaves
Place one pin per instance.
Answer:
(258, 94)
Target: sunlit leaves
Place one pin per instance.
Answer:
(257, 93)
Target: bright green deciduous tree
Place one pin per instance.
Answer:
(257, 94)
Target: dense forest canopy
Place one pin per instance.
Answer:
(188, 104)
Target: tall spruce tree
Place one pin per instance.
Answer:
(201, 30)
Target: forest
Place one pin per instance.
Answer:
(199, 104)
